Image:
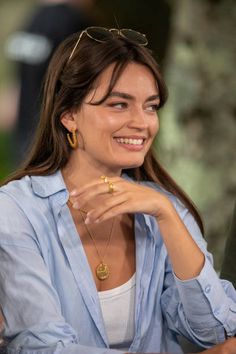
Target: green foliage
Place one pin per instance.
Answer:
(199, 127)
(5, 155)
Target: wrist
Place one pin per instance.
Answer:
(166, 210)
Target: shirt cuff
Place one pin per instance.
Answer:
(204, 297)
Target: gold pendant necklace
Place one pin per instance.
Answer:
(102, 269)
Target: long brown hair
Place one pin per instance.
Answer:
(66, 85)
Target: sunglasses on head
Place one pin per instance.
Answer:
(102, 34)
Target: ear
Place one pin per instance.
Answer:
(68, 119)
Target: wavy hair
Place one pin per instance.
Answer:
(66, 85)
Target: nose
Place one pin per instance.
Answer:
(138, 119)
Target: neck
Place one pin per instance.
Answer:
(80, 171)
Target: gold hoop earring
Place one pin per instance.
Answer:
(73, 141)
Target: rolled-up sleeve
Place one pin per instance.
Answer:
(207, 305)
(204, 308)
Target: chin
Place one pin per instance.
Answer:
(133, 164)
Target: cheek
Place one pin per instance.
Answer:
(154, 127)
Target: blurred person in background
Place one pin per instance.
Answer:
(32, 47)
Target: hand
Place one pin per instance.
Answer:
(127, 197)
(228, 347)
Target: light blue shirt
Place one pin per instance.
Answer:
(47, 292)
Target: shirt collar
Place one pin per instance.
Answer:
(46, 186)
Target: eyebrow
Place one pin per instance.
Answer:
(130, 97)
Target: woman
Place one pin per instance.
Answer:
(105, 252)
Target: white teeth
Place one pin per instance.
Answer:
(130, 141)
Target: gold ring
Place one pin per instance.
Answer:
(104, 178)
(110, 187)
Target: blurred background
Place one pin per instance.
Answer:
(194, 42)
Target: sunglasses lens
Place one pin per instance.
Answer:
(99, 34)
(102, 34)
(134, 36)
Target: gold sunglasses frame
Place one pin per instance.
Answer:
(119, 32)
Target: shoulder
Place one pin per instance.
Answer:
(16, 198)
(27, 206)
(15, 190)
(14, 221)
(30, 191)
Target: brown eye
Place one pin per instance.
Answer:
(152, 108)
(119, 105)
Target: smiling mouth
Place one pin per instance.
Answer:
(129, 141)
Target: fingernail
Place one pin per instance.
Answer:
(87, 220)
(75, 205)
(73, 192)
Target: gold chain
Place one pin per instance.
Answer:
(92, 238)
(102, 270)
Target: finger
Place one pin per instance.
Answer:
(76, 192)
(94, 190)
(105, 191)
(82, 199)
(122, 208)
(96, 214)
(124, 202)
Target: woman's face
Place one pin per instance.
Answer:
(118, 133)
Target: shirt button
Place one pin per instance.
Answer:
(207, 289)
(216, 312)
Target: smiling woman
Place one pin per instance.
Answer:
(125, 123)
(106, 253)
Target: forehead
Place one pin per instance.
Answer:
(135, 79)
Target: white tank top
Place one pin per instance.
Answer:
(118, 305)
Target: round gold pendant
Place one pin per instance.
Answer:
(102, 271)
